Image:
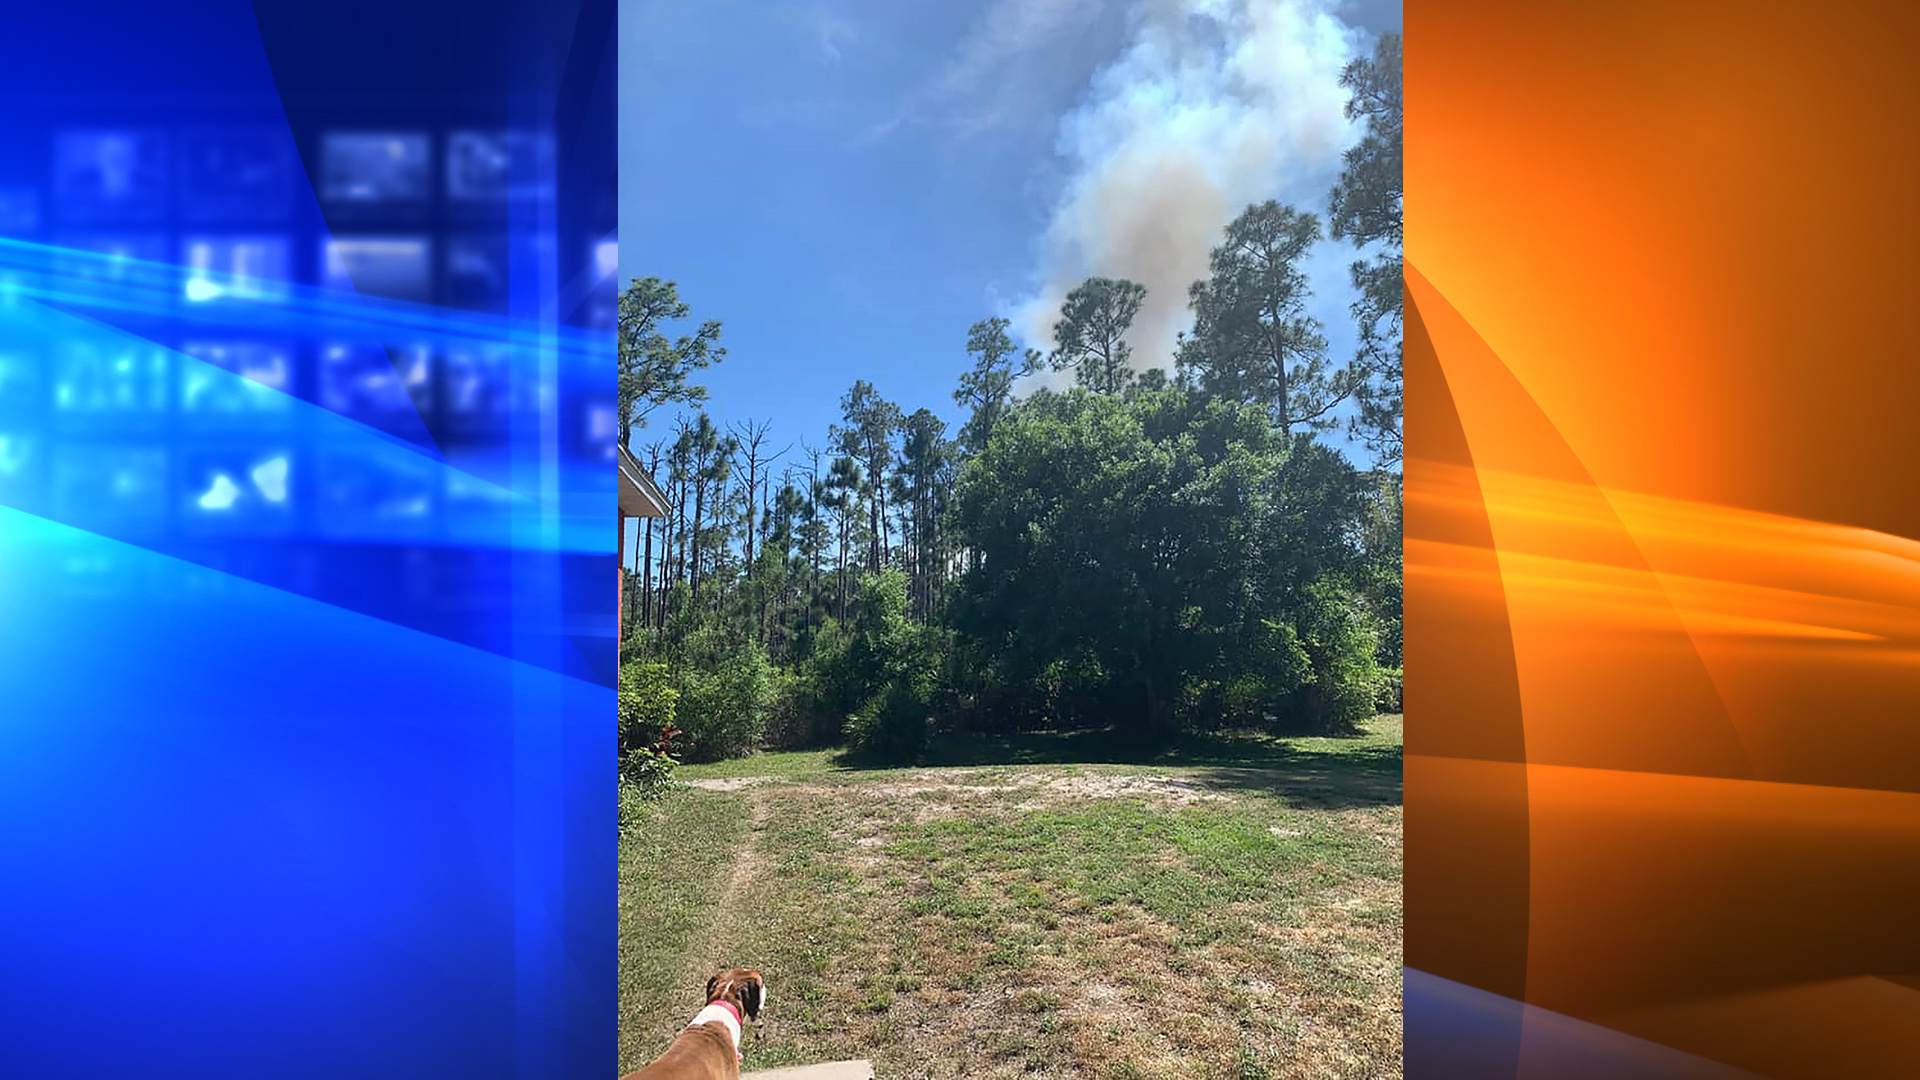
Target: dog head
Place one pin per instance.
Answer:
(744, 988)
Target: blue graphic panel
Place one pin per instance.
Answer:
(306, 544)
(1460, 1032)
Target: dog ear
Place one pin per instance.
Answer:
(752, 994)
(712, 984)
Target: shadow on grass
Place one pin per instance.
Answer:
(1364, 776)
(1333, 773)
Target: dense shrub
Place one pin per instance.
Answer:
(895, 725)
(726, 691)
(648, 771)
(788, 725)
(1124, 547)
(1258, 685)
(1072, 691)
(886, 670)
(646, 703)
(1389, 697)
(1340, 648)
(828, 687)
(1159, 562)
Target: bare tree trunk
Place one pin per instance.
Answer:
(646, 572)
(699, 519)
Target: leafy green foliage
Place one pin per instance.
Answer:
(894, 725)
(987, 388)
(789, 725)
(1340, 650)
(1194, 601)
(1391, 695)
(1367, 202)
(883, 668)
(646, 724)
(825, 690)
(646, 705)
(1145, 554)
(1378, 578)
(1366, 209)
(1156, 591)
(726, 694)
(645, 775)
(1091, 337)
(867, 438)
(920, 491)
(1252, 338)
(655, 368)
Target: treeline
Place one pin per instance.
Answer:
(1151, 550)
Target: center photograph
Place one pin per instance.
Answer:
(1010, 540)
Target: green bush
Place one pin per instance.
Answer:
(648, 773)
(886, 671)
(646, 704)
(1391, 696)
(1340, 648)
(726, 690)
(1075, 690)
(894, 726)
(1268, 686)
(788, 726)
(645, 711)
(827, 688)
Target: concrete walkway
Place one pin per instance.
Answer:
(832, 1070)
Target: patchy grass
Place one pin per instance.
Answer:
(1229, 909)
(666, 902)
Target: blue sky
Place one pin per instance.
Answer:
(847, 185)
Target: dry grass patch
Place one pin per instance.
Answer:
(1051, 921)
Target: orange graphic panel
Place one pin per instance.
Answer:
(1663, 531)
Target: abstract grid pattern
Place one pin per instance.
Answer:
(1663, 581)
(306, 539)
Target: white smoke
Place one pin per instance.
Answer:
(1212, 105)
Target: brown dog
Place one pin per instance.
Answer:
(709, 1049)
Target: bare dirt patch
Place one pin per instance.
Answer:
(1039, 789)
(729, 783)
(1177, 791)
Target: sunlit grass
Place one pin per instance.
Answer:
(1230, 910)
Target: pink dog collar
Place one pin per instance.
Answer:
(727, 1015)
(739, 1023)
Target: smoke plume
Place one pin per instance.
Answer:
(1212, 105)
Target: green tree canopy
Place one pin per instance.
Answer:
(655, 368)
(1367, 210)
(987, 388)
(1142, 549)
(867, 437)
(1091, 337)
(1252, 339)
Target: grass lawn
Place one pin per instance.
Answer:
(1046, 906)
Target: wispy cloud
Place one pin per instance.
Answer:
(1010, 32)
(827, 28)
(1012, 66)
